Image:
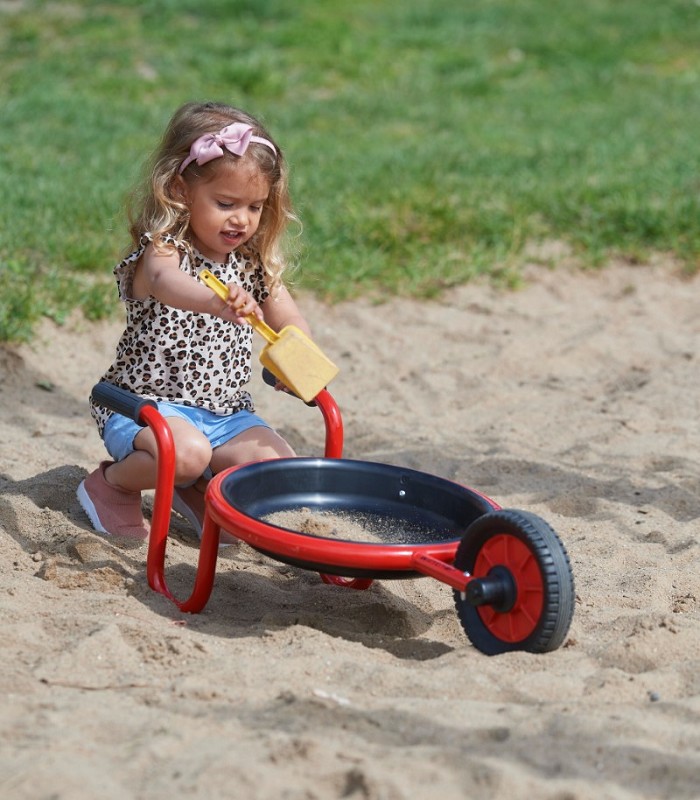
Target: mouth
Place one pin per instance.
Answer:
(233, 236)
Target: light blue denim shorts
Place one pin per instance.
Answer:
(120, 431)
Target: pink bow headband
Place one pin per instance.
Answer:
(235, 138)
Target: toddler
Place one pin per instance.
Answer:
(216, 198)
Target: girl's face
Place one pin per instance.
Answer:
(225, 211)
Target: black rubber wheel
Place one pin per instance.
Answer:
(524, 598)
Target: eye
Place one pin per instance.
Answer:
(256, 209)
(221, 204)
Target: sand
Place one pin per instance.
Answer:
(576, 397)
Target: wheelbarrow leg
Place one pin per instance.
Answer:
(160, 524)
(206, 567)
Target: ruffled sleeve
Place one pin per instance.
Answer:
(124, 271)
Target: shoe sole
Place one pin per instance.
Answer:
(89, 508)
(185, 511)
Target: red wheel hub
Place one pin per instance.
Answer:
(510, 552)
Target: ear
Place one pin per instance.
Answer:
(180, 190)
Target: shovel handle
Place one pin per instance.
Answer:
(212, 282)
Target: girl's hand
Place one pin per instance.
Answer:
(239, 305)
(282, 387)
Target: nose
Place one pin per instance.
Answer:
(239, 215)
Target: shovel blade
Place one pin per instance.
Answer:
(299, 363)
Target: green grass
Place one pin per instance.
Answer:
(430, 141)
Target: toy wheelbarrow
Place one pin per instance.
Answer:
(509, 571)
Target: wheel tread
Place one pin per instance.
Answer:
(555, 568)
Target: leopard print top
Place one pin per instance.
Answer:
(181, 356)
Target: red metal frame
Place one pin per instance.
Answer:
(162, 505)
(433, 560)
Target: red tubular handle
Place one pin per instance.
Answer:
(209, 547)
(331, 416)
(165, 481)
(160, 524)
(334, 423)
(145, 412)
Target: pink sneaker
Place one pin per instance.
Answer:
(189, 503)
(112, 511)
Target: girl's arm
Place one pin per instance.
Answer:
(159, 276)
(280, 310)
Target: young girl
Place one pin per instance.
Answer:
(217, 198)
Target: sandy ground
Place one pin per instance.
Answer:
(576, 398)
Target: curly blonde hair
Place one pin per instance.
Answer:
(156, 207)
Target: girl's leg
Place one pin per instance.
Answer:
(111, 495)
(138, 470)
(254, 444)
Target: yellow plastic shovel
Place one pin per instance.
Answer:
(289, 355)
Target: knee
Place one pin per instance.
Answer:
(192, 457)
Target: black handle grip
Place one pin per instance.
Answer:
(121, 400)
(271, 380)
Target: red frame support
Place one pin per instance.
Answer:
(209, 546)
